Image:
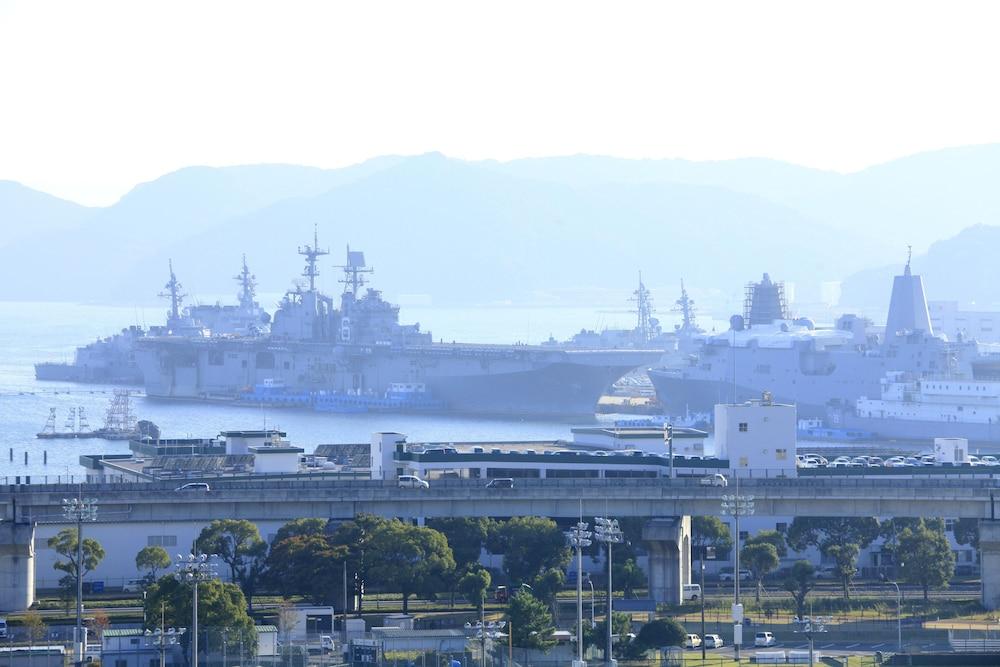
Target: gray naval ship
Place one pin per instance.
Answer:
(112, 359)
(361, 349)
(821, 370)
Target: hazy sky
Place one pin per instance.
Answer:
(97, 96)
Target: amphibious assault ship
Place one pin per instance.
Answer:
(361, 349)
(112, 360)
(820, 370)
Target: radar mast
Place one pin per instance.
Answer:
(248, 286)
(173, 292)
(311, 253)
(354, 269)
(685, 306)
(644, 308)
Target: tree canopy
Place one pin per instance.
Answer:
(925, 558)
(710, 531)
(308, 564)
(761, 559)
(152, 559)
(800, 580)
(530, 622)
(220, 606)
(238, 544)
(474, 584)
(772, 537)
(410, 559)
(839, 538)
(466, 537)
(530, 544)
(660, 633)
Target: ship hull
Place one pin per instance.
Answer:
(486, 380)
(682, 395)
(59, 372)
(925, 431)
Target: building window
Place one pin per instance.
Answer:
(779, 454)
(743, 536)
(744, 462)
(780, 527)
(743, 427)
(124, 663)
(161, 541)
(949, 526)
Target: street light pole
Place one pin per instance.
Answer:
(737, 506)
(593, 622)
(195, 569)
(79, 510)
(579, 537)
(606, 530)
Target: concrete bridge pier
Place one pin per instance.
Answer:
(989, 550)
(17, 566)
(668, 541)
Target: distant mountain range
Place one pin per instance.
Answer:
(567, 230)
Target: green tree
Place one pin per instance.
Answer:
(238, 544)
(473, 586)
(530, 622)
(890, 529)
(466, 536)
(839, 538)
(152, 559)
(220, 605)
(800, 580)
(772, 537)
(410, 559)
(845, 559)
(627, 577)
(621, 625)
(64, 543)
(547, 585)
(309, 565)
(34, 624)
(356, 536)
(530, 544)
(710, 531)
(761, 559)
(966, 531)
(926, 558)
(659, 634)
(301, 527)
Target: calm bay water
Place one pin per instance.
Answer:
(32, 332)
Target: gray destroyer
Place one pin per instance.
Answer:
(822, 371)
(112, 359)
(358, 348)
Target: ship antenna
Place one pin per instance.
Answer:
(311, 253)
(173, 292)
(644, 310)
(353, 279)
(248, 285)
(685, 306)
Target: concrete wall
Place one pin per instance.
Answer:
(17, 566)
(756, 436)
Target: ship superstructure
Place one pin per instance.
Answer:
(815, 368)
(358, 347)
(111, 359)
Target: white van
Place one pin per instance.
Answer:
(690, 592)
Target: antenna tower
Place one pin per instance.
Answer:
(354, 269)
(644, 309)
(248, 286)
(173, 292)
(312, 253)
(685, 306)
(119, 417)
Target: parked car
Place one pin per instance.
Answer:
(3, 625)
(728, 576)
(412, 482)
(692, 641)
(133, 585)
(691, 592)
(194, 486)
(713, 641)
(717, 479)
(502, 483)
(763, 639)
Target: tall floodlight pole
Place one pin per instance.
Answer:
(606, 530)
(579, 537)
(737, 506)
(79, 509)
(194, 570)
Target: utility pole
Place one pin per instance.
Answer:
(79, 510)
(195, 569)
(579, 537)
(737, 506)
(606, 530)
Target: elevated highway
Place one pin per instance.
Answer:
(132, 511)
